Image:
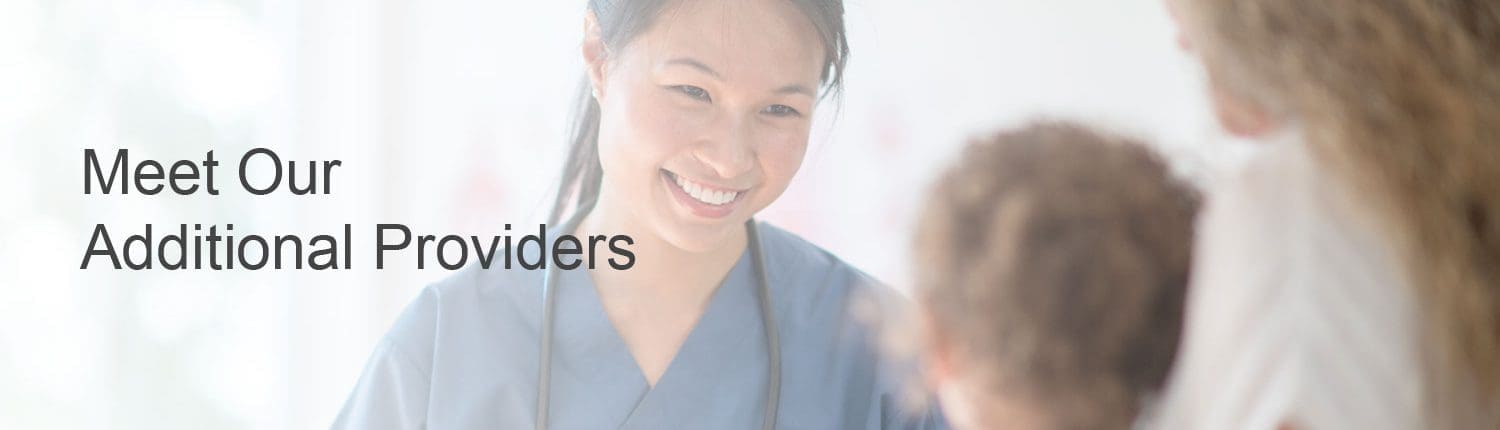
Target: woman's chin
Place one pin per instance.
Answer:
(686, 228)
(699, 237)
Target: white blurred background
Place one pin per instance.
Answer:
(449, 116)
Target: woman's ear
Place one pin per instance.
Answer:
(1182, 40)
(1241, 116)
(595, 54)
(937, 351)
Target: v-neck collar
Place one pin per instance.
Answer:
(591, 349)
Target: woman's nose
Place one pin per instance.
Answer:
(730, 150)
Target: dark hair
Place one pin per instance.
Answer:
(1056, 261)
(622, 20)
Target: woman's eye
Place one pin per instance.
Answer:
(692, 91)
(781, 111)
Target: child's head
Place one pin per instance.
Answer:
(1053, 264)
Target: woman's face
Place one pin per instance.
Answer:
(704, 116)
(1238, 115)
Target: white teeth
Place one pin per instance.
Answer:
(705, 194)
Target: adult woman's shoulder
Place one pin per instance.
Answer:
(513, 291)
(1287, 270)
(458, 302)
(833, 319)
(450, 318)
(795, 263)
(811, 286)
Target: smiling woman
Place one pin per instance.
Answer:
(696, 116)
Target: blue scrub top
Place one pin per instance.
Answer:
(465, 353)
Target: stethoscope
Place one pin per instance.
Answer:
(767, 316)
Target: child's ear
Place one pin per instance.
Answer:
(1241, 116)
(595, 53)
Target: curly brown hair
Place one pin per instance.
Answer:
(1056, 260)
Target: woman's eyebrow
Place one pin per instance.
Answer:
(796, 89)
(696, 65)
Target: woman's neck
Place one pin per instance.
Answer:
(661, 268)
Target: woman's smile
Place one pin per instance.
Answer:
(701, 198)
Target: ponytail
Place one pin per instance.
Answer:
(582, 175)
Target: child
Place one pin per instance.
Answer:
(1053, 264)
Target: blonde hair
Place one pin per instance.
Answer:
(1401, 98)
